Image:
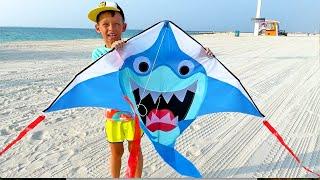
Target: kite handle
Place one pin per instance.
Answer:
(135, 146)
(23, 133)
(280, 139)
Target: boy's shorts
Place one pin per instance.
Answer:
(118, 131)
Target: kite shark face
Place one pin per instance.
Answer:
(167, 89)
(161, 108)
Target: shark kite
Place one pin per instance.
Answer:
(165, 77)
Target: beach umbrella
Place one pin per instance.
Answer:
(166, 79)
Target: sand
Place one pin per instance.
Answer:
(282, 74)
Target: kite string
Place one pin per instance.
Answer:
(144, 89)
(158, 104)
(154, 62)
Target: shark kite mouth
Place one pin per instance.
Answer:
(163, 110)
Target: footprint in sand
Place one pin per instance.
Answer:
(149, 170)
(82, 171)
(153, 167)
(194, 150)
(4, 132)
(195, 127)
(39, 135)
(6, 113)
(58, 119)
(13, 126)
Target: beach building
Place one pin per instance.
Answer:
(268, 27)
(265, 27)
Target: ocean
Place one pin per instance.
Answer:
(29, 52)
(10, 34)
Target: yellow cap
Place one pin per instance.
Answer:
(103, 6)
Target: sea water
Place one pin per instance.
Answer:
(16, 34)
(9, 34)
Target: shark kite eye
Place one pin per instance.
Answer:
(141, 65)
(185, 67)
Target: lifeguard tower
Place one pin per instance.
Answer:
(265, 27)
(269, 28)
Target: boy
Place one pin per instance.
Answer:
(119, 126)
(110, 23)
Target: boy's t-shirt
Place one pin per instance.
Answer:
(98, 52)
(112, 114)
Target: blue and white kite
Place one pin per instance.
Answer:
(168, 79)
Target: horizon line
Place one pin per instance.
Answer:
(201, 31)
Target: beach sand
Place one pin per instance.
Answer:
(282, 75)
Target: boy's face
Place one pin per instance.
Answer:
(110, 27)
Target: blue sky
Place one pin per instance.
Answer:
(204, 15)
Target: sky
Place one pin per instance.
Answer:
(196, 15)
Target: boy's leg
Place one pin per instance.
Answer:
(115, 138)
(138, 172)
(115, 160)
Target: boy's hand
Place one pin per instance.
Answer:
(209, 52)
(118, 44)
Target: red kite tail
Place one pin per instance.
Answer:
(23, 133)
(135, 146)
(280, 139)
